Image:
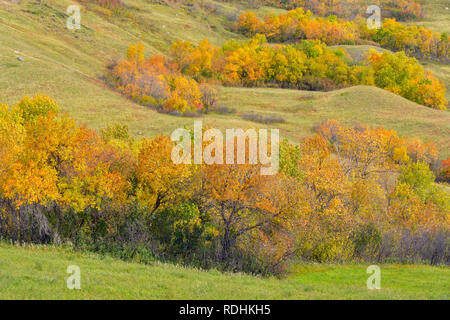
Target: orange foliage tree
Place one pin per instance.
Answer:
(156, 82)
(297, 25)
(53, 163)
(406, 77)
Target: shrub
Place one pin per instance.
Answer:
(263, 119)
(444, 173)
(209, 97)
(225, 110)
(183, 230)
(367, 242)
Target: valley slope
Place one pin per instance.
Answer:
(69, 66)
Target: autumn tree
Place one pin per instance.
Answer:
(241, 202)
(406, 77)
(158, 82)
(160, 180)
(56, 168)
(445, 171)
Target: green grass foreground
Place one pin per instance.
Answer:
(39, 272)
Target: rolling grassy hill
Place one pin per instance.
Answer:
(39, 272)
(68, 66)
(302, 110)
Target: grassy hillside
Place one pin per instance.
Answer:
(302, 110)
(68, 66)
(436, 15)
(40, 273)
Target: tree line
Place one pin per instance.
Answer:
(399, 9)
(179, 82)
(347, 193)
(298, 24)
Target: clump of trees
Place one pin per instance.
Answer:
(406, 77)
(403, 9)
(344, 194)
(180, 82)
(297, 25)
(157, 82)
(415, 41)
(444, 174)
(53, 172)
(400, 9)
(309, 65)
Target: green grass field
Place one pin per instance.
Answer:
(39, 272)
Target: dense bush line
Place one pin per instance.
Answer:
(178, 83)
(400, 9)
(309, 65)
(297, 25)
(345, 194)
(415, 41)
